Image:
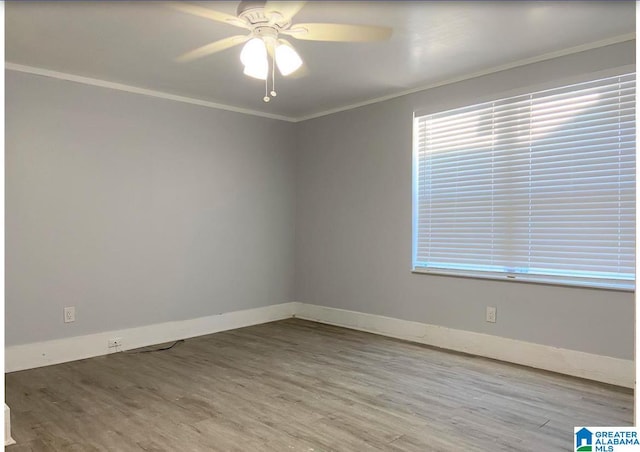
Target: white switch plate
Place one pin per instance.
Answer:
(69, 314)
(491, 314)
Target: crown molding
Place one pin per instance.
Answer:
(204, 103)
(137, 90)
(547, 56)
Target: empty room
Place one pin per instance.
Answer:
(319, 226)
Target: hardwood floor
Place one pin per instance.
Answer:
(295, 385)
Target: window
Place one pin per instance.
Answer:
(538, 187)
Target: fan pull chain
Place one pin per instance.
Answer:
(273, 75)
(273, 93)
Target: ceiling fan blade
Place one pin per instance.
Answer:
(214, 47)
(208, 14)
(286, 9)
(338, 32)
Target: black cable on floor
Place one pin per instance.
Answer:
(156, 349)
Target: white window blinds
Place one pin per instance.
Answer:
(535, 187)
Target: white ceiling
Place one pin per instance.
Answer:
(135, 43)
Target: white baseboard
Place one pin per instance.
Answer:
(605, 369)
(570, 362)
(38, 354)
(8, 440)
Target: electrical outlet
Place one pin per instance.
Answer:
(69, 314)
(491, 314)
(115, 342)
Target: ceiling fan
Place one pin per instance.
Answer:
(264, 49)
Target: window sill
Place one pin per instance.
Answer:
(529, 279)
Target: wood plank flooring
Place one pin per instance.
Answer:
(295, 385)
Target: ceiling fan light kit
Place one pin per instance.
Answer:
(254, 59)
(264, 49)
(287, 58)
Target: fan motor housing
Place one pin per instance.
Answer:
(265, 32)
(253, 13)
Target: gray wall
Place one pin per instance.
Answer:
(139, 210)
(353, 225)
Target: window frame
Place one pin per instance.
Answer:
(566, 281)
